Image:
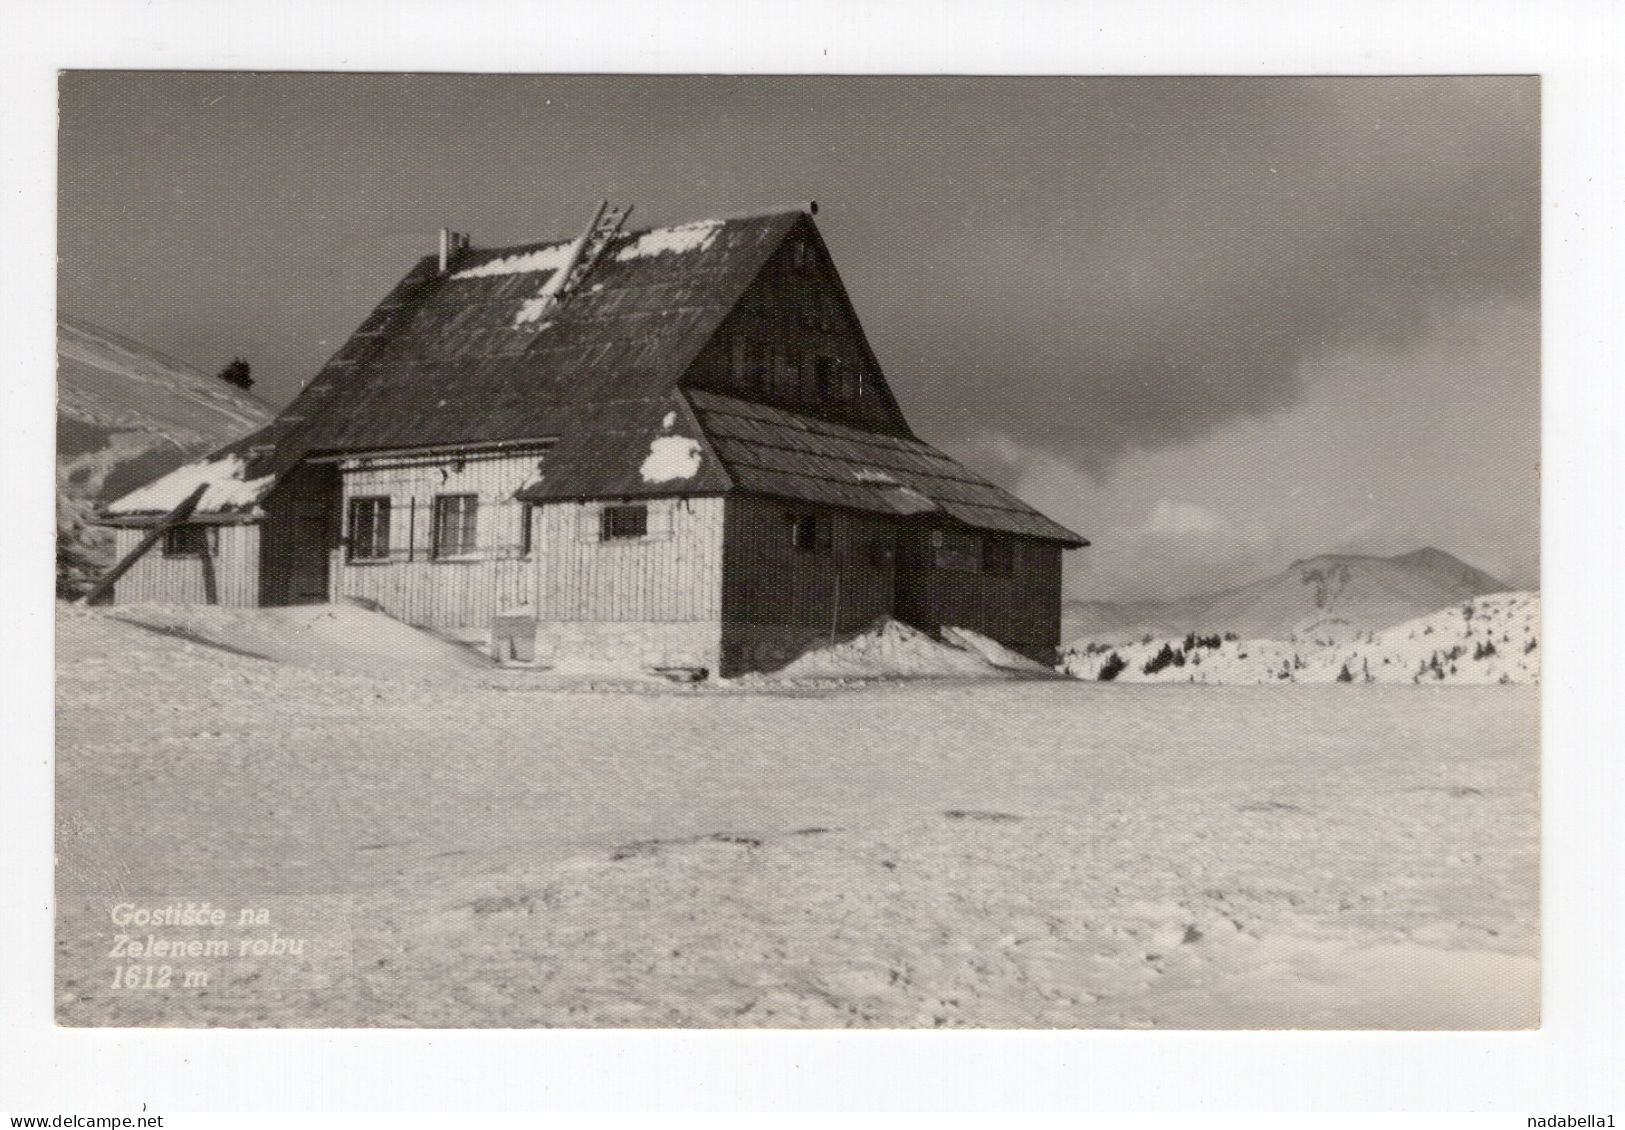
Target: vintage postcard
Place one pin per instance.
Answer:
(544, 551)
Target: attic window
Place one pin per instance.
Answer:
(754, 362)
(623, 523)
(826, 372)
(190, 540)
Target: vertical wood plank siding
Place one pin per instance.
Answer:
(777, 600)
(180, 580)
(672, 574)
(410, 584)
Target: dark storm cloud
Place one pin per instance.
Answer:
(1245, 229)
(1082, 266)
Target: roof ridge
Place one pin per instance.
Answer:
(505, 250)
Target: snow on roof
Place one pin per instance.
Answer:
(227, 489)
(671, 457)
(678, 240)
(549, 258)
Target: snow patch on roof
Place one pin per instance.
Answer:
(668, 420)
(675, 241)
(542, 259)
(671, 457)
(227, 489)
(532, 309)
(879, 478)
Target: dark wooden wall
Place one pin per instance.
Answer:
(1021, 611)
(798, 307)
(299, 538)
(778, 600)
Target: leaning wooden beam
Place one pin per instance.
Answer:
(173, 518)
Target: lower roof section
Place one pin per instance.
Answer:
(773, 451)
(684, 442)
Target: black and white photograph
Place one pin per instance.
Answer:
(798, 552)
(740, 561)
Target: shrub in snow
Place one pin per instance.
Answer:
(1345, 675)
(238, 373)
(1113, 667)
(1167, 657)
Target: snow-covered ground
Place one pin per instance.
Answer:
(1489, 639)
(495, 848)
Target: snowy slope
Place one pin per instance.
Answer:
(1487, 639)
(1013, 852)
(126, 415)
(1320, 600)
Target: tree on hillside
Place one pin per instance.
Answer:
(238, 373)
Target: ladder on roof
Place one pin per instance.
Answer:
(604, 226)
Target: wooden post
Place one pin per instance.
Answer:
(174, 518)
(835, 604)
(211, 586)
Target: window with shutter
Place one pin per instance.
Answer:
(369, 528)
(527, 526)
(454, 521)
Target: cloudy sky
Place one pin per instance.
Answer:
(1213, 324)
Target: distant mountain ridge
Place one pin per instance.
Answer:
(1479, 641)
(127, 414)
(1328, 599)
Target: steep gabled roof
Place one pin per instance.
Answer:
(471, 356)
(465, 357)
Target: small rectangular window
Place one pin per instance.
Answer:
(527, 523)
(998, 556)
(956, 549)
(759, 365)
(752, 363)
(811, 533)
(623, 523)
(454, 521)
(827, 377)
(191, 540)
(369, 529)
(789, 360)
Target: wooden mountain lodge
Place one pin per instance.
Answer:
(670, 448)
